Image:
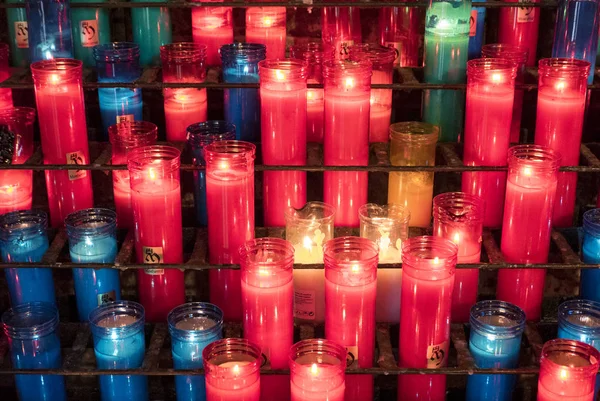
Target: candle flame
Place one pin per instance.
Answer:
(560, 86)
(267, 22)
(314, 369)
(279, 75)
(355, 268)
(54, 79)
(436, 260)
(384, 242)
(456, 238)
(309, 95)
(349, 83)
(223, 165)
(563, 374)
(236, 369)
(307, 242)
(527, 171)
(152, 174)
(263, 272)
(496, 78)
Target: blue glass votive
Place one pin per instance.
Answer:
(91, 27)
(495, 342)
(119, 343)
(118, 62)
(590, 278)
(32, 332)
(49, 29)
(192, 326)
(93, 239)
(242, 105)
(477, 31)
(23, 239)
(151, 30)
(198, 136)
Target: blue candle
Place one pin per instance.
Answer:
(23, 238)
(590, 278)
(495, 342)
(118, 330)
(118, 62)
(49, 29)
(192, 326)
(34, 344)
(242, 105)
(198, 136)
(476, 33)
(18, 33)
(151, 30)
(91, 27)
(93, 239)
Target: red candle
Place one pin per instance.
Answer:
(350, 291)
(519, 27)
(6, 100)
(490, 94)
(63, 131)
(347, 92)
(266, 26)
(230, 206)
(458, 216)
(125, 137)
(400, 28)
(340, 28)
(156, 201)
(212, 27)
(427, 284)
(530, 192)
(568, 371)
(267, 300)
(559, 124)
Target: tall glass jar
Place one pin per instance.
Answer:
(6, 101)
(267, 26)
(340, 28)
(93, 239)
(213, 27)
(402, 29)
(18, 33)
(590, 250)
(49, 30)
(91, 27)
(519, 26)
(413, 144)
(476, 31)
(152, 28)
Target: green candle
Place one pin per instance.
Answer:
(91, 27)
(17, 29)
(151, 30)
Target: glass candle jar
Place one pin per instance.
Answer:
(6, 101)
(530, 192)
(33, 341)
(590, 250)
(318, 370)
(458, 216)
(340, 28)
(193, 326)
(49, 29)
(230, 205)
(402, 29)
(559, 124)
(91, 27)
(16, 185)
(156, 202)
(412, 144)
(350, 290)
(200, 135)
(283, 127)
(518, 26)
(183, 62)
(119, 343)
(495, 342)
(213, 27)
(347, 93)
(151, 29)
(476, 31)
(93, 239)
(18, 33)
(387, 226)
(267, 25)
(242, 105)
(63, 132)
(23, 239)
(232, 368)
(427, 283)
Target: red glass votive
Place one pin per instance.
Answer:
(519, 27)
(124, 137)
(156, 202)
(530, 193)
(427, 283)
(559, 124)
(458, 216)
(212, 27)
(490, 94)
(350, 292)
(340, 29)
(63, 130)
(283, 127)
(568, 371)
(346, 141)
(183, 62)
(6, 100)
(230, 206)
(402, 29)
(267, 26)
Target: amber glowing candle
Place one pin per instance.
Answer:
(267, 26)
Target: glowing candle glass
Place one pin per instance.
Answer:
(401, 28)
(212, 27)
(340, 28)
(49, 29)
(590, 278)
(18, 33)
(91, 27)
(6, 100)
(152, 28)
(266, 25)
(518, 26)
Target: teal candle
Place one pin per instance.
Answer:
(151, 30)
(19, 38)
(91, 27)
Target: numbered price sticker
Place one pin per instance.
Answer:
(525, 14)
(126, 118)
(153, 255)
(437, 355)
(76, 158)
(88, 30)
(21, 34)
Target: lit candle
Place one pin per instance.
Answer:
(590, 249)
(212, 26)
(530, 191)
(267, 25)
(387, 226)
(559, 124)
(230, 205)
(156, 202)
(63, 131)
(49, 30)
(341, 28)
(427, 284)
(519, 27)
(400, 28)
(350, 292)
(6, 100)
(490, 94)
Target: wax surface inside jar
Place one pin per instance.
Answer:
(184, 108)
(211, 26)
(519, 26)
(414, 191)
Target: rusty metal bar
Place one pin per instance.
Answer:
(73, 357)
(567, 253)
(588, 156)
(157, 340)
(126, 252)
(449, 154)
(535, 341)
(491, 248)
(384, 344)
(461, 344)
(53, 252)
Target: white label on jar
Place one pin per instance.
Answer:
(352, 356)
(437, 355)
(473, 23)
(525, 14)
(343, 49)
(21, 34)
(76, 158)
(304, 305)
(107, 297)
(88, 30)
(153, 255)
(125, 118)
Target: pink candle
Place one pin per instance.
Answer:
(429, 265)
(267, 300)
(350, 291)
(6, 100)
(340, 28)
(156, 202)
(519, 27)
(266, 26)
(63, 130)
(317, 369)
(400, 28)
(458, 216)
(125, 137)
(283, 127)
(347, 91)
(490, 94)
(232, 369)
(212, 27)
(559, 124)
(530, 192)
(568, 371)
(230, 206)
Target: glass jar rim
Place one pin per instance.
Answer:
(516, 53)
(117, 52)
(376, 53)
(205, 132)
(312, 52)
(338, 68)
(337, 246)
(572, 346)
(24, 223)
(318, 346)
(564, 68)
(591, 222)
(414, 131)
(392, 213)
(423, 247)
(231, 149)
(328, 213)
(497, 308)
(18, 113)
(64, 65)
(94, 222)
(227, 346)
(195, 309)
(249, 52)
(183, 52)
(297, 68)
(117, 308)
(485, 66)
(132, 134)
(535, 156)
(46, 312)
(140, 157)
(445, 203)
(591, 308)
(281, 247)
